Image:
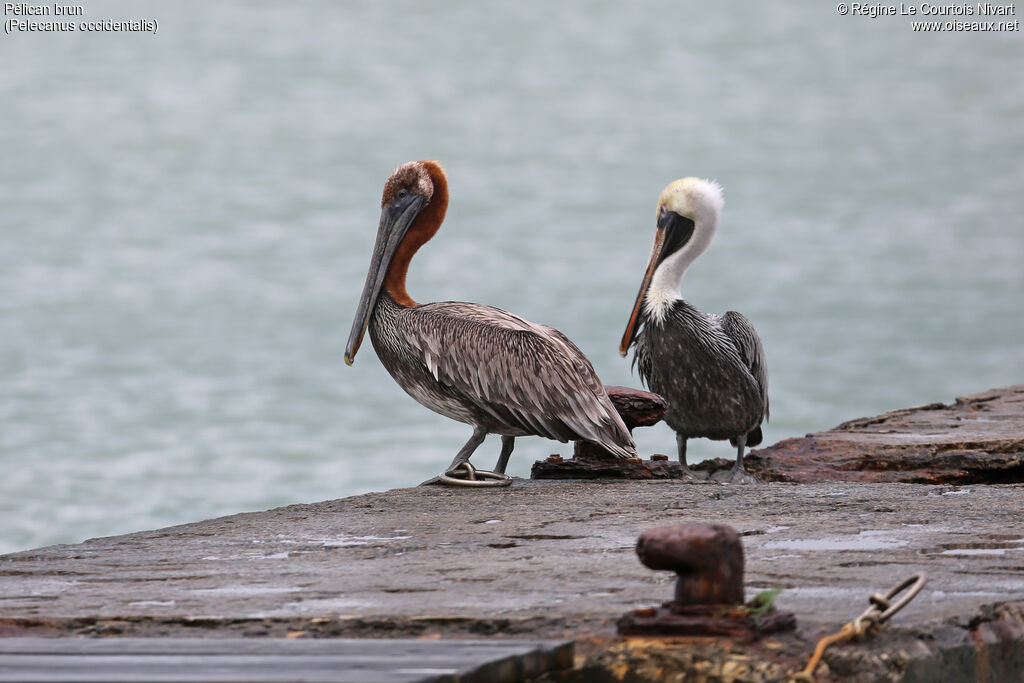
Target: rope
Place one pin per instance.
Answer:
(868, 623)
(847, 632)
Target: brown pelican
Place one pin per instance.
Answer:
(710, 368)
(473, 363)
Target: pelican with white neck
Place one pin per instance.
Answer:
(710, 368)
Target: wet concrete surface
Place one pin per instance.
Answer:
(548, 558)
(556, 559)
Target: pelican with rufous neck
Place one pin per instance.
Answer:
(473, 363)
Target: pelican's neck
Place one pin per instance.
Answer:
(419, 233)
(664, 289)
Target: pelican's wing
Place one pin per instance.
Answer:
(742, 333)
(521, 373)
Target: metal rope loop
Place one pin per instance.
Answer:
(467, 475)
(912, 585)
(879, 601)
(880, 611)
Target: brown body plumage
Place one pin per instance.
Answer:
(473, 363)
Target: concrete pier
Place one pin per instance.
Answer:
(555, 560)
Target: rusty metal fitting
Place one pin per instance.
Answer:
(707, 558)
(591, 461)
(708, 601)
(637, 408)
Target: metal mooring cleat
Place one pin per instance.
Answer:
(708, 559)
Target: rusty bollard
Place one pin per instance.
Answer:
(590, 461)
(708, 601)
(708, 559)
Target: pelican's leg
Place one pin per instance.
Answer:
(462, 473)
(507, 444)
(739, 474)
(474, 442)
(688, 474)
(463, 455)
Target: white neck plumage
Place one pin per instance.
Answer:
(664, 289)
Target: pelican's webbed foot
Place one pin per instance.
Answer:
(687, 474)
(739, 474)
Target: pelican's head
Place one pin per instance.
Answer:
(697, 200)
(412, 207)
(410, 179)
(687, 218)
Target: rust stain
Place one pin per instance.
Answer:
(981, 663)
(21, 628)
(932, 444)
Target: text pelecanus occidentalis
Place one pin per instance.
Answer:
(710, 368)
(473, 363)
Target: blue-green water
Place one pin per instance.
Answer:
(186, 221)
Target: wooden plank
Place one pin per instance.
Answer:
(153, 660)
(249, 645)
(157, 669)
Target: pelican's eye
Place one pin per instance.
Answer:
(664, 216)
(402, 194)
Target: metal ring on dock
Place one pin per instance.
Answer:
(473, 477)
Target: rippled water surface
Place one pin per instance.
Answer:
(186, 221)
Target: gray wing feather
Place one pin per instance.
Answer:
(517, 371)
(742, 333)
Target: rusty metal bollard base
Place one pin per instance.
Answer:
(605, 468)
(637, 409)
(703, 620)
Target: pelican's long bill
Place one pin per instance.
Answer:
(395, 220)
(632, 327)
(673, 232)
